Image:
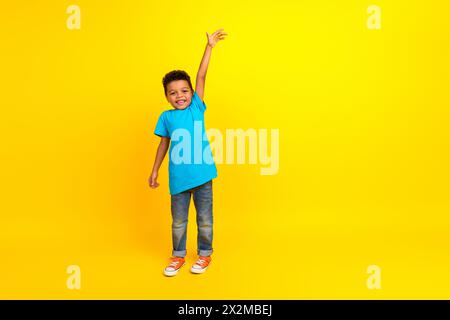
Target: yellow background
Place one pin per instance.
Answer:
(364, 148)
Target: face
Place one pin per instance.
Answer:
(179, 94)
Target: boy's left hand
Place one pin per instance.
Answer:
(215, 37)
(152, 180)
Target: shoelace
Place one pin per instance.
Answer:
(200, 262)
(174, 263)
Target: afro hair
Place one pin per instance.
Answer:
(174, 76)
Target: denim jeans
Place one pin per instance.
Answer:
(180, 207)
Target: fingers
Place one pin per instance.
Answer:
(220, 37)
(154, 185)
(217, 35)
(219, 32)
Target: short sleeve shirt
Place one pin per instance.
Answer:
(190, 159)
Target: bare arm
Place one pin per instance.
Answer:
(202, 70)
(160, 154)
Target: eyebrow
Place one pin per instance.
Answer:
(181, 88)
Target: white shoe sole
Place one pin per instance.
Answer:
(198, 271)
(169, 273)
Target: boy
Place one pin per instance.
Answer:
(188, 173)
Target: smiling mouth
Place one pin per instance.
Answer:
(181, 102)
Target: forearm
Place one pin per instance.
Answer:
(160, 154)
(202, 70)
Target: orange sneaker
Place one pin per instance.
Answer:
(174, 266)
(201, 264)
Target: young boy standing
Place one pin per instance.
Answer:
(183, 129)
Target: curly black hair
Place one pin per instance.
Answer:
(176, 75)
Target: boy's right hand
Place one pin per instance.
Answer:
(152, 180)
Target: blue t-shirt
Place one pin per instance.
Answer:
(190, 159)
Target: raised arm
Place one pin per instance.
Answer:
(201, 74)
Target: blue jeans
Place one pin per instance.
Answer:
(180, 207)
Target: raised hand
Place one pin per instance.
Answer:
(215, 37)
